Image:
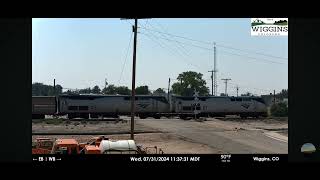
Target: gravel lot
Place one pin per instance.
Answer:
(176, 136)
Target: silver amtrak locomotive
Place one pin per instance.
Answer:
(220, 106)
(94, 106)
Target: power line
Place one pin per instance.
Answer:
(185, 50)
(125, 60)
(218, 44)
(181, 52)
(210, 49)
(251, 57)
(253, 52)
(172, 52)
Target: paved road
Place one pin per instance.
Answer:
(225, 139)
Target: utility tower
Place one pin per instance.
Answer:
(215, 70)
(226, 88)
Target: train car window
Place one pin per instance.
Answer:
(186, 108)
(198, 108)
(144, 98)
(238, 99)
(232, 99)
(186, 98)
(73, 108)
(83, 108)
(259, 100)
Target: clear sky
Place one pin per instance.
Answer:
(81, 53)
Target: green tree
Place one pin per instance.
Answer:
(142, 90)
(111, 89)
(123, 90)
(283, 94)
(40, 89)
(96, 90)
(85, 91)
(159, 91)
(247, 94)
(188, 82)
(279, 110)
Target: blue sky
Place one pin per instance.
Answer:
(81, 53)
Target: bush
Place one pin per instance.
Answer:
(279, 110)
(54, 121)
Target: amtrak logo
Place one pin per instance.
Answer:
(245, 105)
(143, 105)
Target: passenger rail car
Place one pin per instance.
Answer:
(43, 105)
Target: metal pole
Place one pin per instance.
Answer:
(212, 83)
(226, 82)
(54, 86)
(237, 90)
(274, 96)
(168, 88)
(133, 92)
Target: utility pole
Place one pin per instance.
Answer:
(274, 96)
(54, 86)
(212, 83)
(226, 82)
(237, 90)
(105, 83)
(133, 91)
(168, 88)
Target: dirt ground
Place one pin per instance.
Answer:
(175, 136)
(78, 126)
(168, 142)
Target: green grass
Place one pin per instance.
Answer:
(37, 121)
(53, 121)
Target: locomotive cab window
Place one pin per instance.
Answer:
(72, 108)
(186, 108)
(83, 108)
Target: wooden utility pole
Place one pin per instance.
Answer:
(212, 83)
(274, 96)
(54, 86)
(133, 92)
(168, 89)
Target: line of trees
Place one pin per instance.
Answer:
(40, 89)
(187, 83)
